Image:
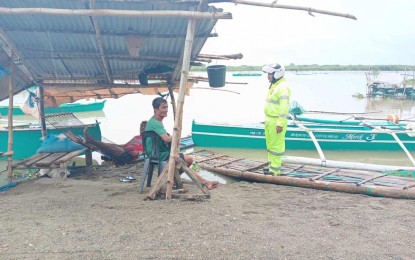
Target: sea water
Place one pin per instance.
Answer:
(242, 101)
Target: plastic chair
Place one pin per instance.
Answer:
(151, 161)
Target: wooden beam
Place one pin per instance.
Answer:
(104, 63)
(121, 13)
(106, 86)
(221, 57)
(293, 7)
(16, 53)
(91, 33)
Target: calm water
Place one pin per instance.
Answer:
(243, 103)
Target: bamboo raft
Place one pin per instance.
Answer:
(372, 183)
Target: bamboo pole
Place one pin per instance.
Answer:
(403, 148)
(345, 165)
(370, 190)
(293, 7)
(316, 144)
(10, 125)
(111, 12)
(191, 26)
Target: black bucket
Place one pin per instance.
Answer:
(216, 75)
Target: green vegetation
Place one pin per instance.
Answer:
(315, 67)
(26, 174)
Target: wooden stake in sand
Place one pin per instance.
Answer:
(170, 172)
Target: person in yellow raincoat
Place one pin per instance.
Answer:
(277, 105)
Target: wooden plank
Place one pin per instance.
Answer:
(28, 162)
(69, 156)
(295, 169)
(370, 179)
(257, 167)
(47, 161)
(211, 158)
(228, 162)
(324, 174)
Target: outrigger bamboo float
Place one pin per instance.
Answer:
(369, 182)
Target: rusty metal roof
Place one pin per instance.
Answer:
(50, 48)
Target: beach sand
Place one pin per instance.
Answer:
(92, 215)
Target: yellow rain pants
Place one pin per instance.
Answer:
(276, 113)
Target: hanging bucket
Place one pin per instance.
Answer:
(216, 75)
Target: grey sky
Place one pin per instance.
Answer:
(384, 33)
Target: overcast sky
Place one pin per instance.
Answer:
(384, 33)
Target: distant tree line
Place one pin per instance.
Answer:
(315, 67)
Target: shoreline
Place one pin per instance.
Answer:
(92, 214)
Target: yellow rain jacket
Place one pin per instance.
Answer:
(277, 107)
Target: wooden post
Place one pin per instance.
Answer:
(173, 101)
(88, 157)
(10, 125)
(180, 102)
(41, 104)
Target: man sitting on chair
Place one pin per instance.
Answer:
(155, 124)
(120, 154)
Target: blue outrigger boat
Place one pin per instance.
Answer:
(27, 140)
(75, 107)
(304, 133)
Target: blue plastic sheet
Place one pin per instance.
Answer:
(58, 144)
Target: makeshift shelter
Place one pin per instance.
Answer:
(75, 49)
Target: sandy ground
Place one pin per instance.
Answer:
(94, 216)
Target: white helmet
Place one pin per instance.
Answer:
(276, 68)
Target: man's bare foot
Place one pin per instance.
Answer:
(210, 185)
(73, 137)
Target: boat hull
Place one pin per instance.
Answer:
(340, 138)
(26, 141)
(63, 108)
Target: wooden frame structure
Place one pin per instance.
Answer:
(181, 68)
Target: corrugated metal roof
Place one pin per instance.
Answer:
(68, 47)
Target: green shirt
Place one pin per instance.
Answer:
(158, 127)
